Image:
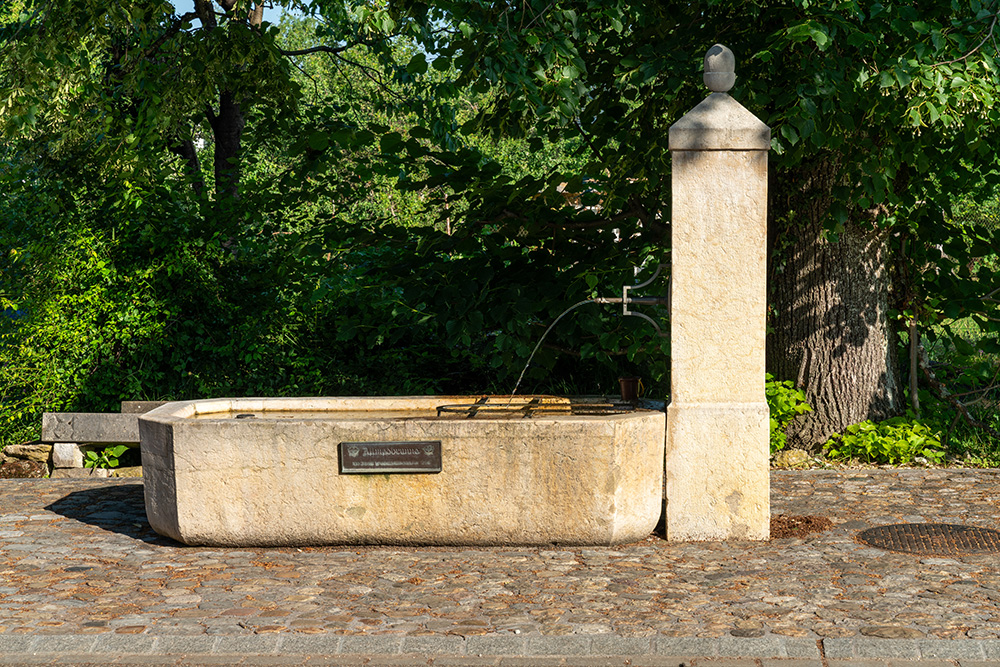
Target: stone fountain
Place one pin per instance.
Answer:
(466, 471)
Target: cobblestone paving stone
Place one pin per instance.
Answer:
(78, 560)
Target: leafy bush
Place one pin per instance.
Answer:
(785, 402)
(893, 441)
(106, 458)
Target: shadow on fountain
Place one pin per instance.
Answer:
(117, 509)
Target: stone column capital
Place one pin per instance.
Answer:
(719, 123)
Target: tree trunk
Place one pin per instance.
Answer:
(831, 329)
(186, 151)
(227, 127)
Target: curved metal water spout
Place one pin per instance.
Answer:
(625, 300)
(642, 300)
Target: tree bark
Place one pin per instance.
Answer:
(227, 127)
(831, 332)
(227, 124)
(186, 151)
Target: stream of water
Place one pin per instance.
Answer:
(542, 340)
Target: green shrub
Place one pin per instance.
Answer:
(785, 402)
(893, 441)
(106, 458)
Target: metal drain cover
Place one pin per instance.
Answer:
(932, 539)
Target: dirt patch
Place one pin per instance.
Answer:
(784, 526)
(19, 469)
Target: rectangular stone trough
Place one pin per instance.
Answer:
(282, 471)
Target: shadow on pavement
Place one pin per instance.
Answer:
(118, 509)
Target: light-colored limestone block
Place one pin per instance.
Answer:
(213, 479)
(90, 427)
(32, 452)
(139, 407)
(717, 469)
(718, 481)
(126, 471)
(59, 473)
(67, 455)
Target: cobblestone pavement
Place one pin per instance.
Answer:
(82, 574)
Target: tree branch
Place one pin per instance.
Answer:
(586, 138)
(620, 352)
(323, 48)
(635, 212)
(171, 31)
(945, 394)
(185, 150)
(989, 33)
(367, 71)
(257, 15)
(203, 8)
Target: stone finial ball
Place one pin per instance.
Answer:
(720, 69)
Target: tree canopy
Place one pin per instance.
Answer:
(882, 116)
(402, 196)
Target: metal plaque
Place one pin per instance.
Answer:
(422, 456)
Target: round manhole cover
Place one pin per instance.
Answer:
(932, 539)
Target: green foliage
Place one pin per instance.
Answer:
(893, 104)
(106, 458)
(417, 203)
(893, 441)
(784, 402)
(120, 279)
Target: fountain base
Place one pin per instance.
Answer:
(274, 472)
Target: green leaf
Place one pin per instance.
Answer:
(318, 141)
(390, 143)
(417, 64)
(788, 132)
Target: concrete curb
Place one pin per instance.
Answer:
(771, 646)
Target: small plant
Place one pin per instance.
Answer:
(106, 458)
(894, 441)
(785, 403)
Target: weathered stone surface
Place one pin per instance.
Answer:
(275, 481)
(32, 452)
(67, 455)
(126, 471)
(86, 427)
(62, 473)
(22, 469)
(891, 632)
(719, 123)
(717, 472)
(140, 407)
(790, 458)
(717, 466)
(720, 69)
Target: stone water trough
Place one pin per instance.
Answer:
(411, 470)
